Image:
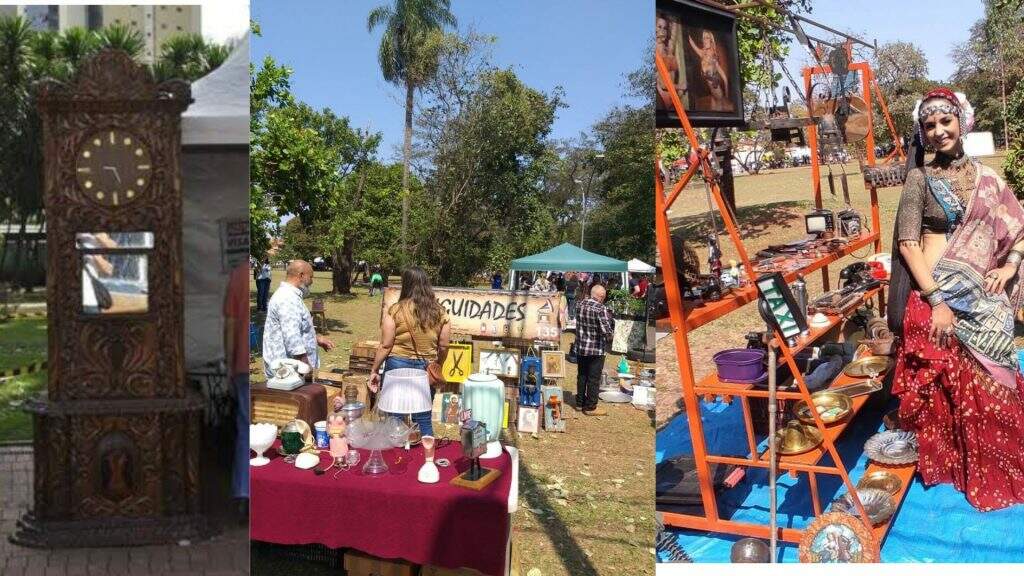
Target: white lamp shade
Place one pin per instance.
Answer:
(484, 394)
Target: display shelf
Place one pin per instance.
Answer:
(832, 431)
(710, 384)
(684, 317)
(700, 315)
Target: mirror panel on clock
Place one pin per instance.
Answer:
(113, 166)
(115, 271)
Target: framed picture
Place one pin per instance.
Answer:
(697, 42)
(458, 364)
(529, 419)
(553, 363)
(778, 306)
(837, 537)
(500, 362)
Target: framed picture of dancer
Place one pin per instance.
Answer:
(697, 43)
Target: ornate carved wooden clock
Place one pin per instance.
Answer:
(117, 438)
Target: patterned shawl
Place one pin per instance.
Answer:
(992, 224)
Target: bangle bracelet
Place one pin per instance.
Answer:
(1014, 258)
(930, 291)
(935, 298)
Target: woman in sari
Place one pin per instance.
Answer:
(958, 247)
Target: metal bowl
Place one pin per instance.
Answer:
(831, 406)
(750, 550)
(878, 504)
(797, 438)
(868, 365)
(893, 447)
(881, 480)
(353, 411)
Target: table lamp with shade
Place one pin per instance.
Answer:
(484, 395)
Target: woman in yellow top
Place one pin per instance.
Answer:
(414, 331)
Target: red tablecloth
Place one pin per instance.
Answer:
(393, 516)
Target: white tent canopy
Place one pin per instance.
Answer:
(215, 184)
(637, 266)
(220, 114)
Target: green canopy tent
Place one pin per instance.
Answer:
(565, 258)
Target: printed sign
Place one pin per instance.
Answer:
(496, 313)
(234, 243)
(458, 363)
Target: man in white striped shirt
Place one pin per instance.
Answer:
(288, 331)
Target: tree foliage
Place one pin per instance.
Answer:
(991, 60)
(484, 139)
(902, 72)
(1013, 164)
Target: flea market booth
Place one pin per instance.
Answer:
(749, 471)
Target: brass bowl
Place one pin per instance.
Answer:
(831, 406)
(797, 438)
(868, 365)
(882, 480)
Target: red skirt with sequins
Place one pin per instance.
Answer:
(969, 427)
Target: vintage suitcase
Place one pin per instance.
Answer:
(359, 564)
(308, 403)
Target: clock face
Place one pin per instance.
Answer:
(113, 167)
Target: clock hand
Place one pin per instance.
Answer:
(114, 170)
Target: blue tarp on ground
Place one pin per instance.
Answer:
(934, 524)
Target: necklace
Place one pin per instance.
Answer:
(959, 172)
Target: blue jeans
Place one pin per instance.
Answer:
(421, 419)
(240, 471)
(262, 294)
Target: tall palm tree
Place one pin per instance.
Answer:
(408, 57)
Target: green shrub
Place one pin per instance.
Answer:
(1013, 165)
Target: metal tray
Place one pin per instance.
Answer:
(877, 503)
(893, 447)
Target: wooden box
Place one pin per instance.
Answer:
(278, 407)
(359, 564)
(336, 384)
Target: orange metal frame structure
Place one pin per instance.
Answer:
(684, 320)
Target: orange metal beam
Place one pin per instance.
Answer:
(729, 526)
(675, 308)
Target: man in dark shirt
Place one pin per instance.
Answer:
(594, 329)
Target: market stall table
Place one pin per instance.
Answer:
(391, 516)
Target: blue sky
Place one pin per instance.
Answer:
(584, 46)
(335, 59)
(934, 26)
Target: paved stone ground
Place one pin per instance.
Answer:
(227, 554)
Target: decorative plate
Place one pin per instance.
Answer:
(877, 503)
(881, 480)
(893, 447)
(837, 537)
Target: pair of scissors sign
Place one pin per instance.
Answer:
(455, 365)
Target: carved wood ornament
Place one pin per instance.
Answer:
(116, 450)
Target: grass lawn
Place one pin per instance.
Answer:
(22, 342)
(586, 497)
(770, 208)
